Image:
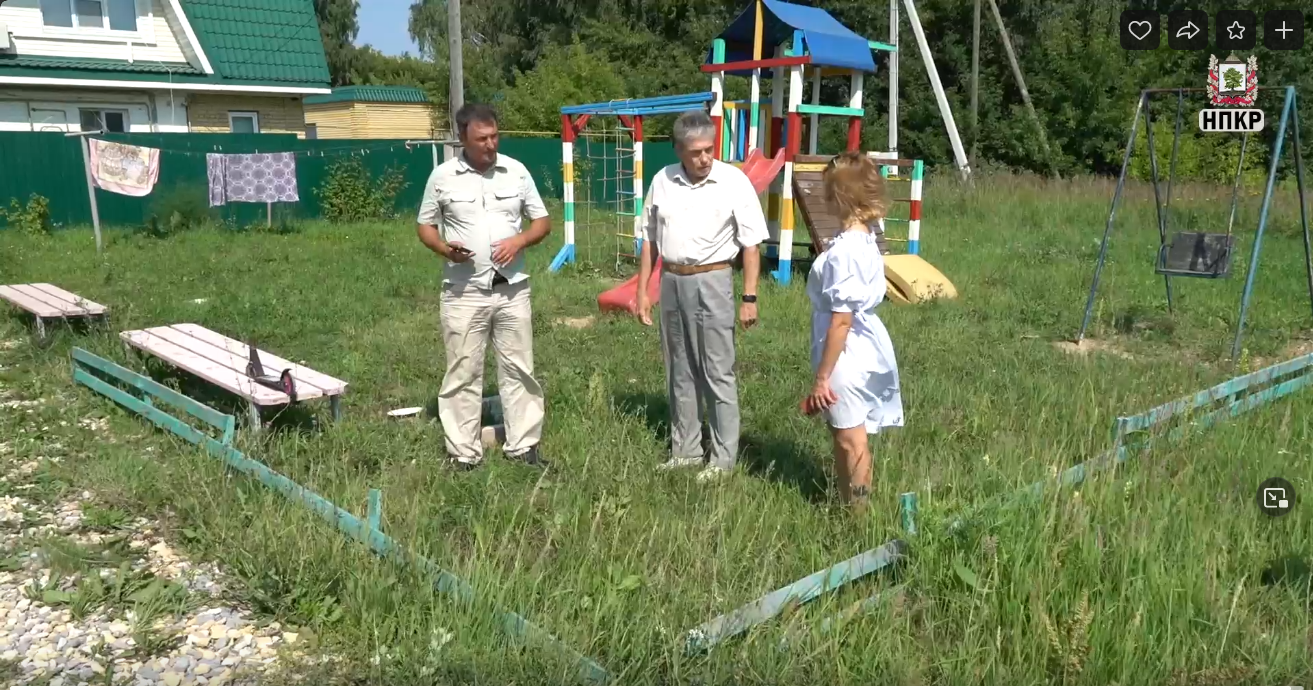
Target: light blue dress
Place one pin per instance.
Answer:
(849, 277)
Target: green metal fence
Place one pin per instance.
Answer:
(50, 164)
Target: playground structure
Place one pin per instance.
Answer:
(1205, 254)
(806, 44)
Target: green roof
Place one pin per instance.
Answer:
(261, 40)
(371, 94)
(97, 64)
(248, 43)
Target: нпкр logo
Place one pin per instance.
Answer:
(1232, 83)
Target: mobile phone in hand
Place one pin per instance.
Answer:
(463, 251)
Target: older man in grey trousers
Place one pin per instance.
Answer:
(699, 215)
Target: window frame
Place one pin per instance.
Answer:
(254, 115)
(100, 114)
(144, 33)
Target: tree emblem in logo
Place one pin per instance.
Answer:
(1233, 82)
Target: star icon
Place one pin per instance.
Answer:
(1236, 31)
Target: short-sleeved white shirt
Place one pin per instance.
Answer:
(705, 222)
(480, 209)
(849, 277)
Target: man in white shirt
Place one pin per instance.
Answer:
(699, 214)
(471, 216)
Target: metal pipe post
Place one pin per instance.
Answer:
(1107, 230)
(1262, 222)
(91, 189)
(1235, 188)
(1303, 212)
(1157, 198)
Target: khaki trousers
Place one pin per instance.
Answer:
(470, 317)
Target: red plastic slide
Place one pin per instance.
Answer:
(624, 297)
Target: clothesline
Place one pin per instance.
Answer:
(308, 154)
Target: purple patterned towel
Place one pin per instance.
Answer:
(251, 177)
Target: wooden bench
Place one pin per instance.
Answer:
(222, 361)
(45, 301)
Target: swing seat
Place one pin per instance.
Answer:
(1196, 255)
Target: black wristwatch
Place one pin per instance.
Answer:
(749, 299)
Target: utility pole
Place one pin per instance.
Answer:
(456, 62)
(975, 87)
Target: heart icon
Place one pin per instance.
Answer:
(1139, 29)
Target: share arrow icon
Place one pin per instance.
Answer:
(1188, 30)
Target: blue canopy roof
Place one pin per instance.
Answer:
(829, 43)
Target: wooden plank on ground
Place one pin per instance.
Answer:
(324, 382)
(223, 357)
(220, 375)
(88, 307)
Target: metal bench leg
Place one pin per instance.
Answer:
(40, 331)
(335, 404)
(253, 416)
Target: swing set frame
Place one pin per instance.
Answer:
(1183, 256)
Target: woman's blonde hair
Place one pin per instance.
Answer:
(855, 189)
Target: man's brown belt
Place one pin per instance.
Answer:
(688, 270)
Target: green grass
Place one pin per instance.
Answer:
(1149, 575)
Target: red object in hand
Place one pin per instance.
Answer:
(624, 297)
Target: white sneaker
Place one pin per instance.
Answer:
(712, 473)
(680, 463)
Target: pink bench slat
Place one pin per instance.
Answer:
(47, 301)
(271, 362)
(24, 301)
(221, 376)
(55, 291)
(231, 360)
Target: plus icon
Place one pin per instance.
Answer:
(1283, 30)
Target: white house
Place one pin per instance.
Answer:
(159, 65)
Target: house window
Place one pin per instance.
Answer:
(104, 120)
(311, 131)
(101, 15)
(49, 120)
(243, 122)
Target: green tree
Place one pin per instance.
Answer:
(1232, 78)
(564, 75)
(338, 27)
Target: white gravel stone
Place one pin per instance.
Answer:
(45, 642)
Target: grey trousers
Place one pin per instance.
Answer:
(698, 316)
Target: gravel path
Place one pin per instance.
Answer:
(210, 644)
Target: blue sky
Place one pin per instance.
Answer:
(383, 25)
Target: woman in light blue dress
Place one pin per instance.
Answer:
(856, 387)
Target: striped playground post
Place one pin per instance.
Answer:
(718, 93)
(914, 212)
(776, 143)
(753, 111)
(568, 133)
(637, 135)
(915, 196)
(784, 272)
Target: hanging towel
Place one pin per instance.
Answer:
(214, 173)
(251, 177)
(124, 169)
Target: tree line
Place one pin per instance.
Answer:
(529, 57)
